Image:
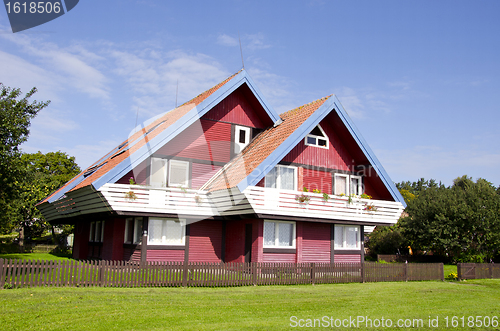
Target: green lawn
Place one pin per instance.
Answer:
(36, 256)
(246, 308)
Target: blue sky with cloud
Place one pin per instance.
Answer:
(420, 79)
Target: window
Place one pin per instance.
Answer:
(341, 185)
(178, 173)
(279, 234)
(282, 177)
(347, 185)
(356, 185)
(133, 230)
(158, 177)
(347, 237)
(96, 231)
(163, 231)
(317, 137)
(241, 138)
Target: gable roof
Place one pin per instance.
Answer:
(156, 132)
(272, 145)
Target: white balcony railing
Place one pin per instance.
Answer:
(254, 200)
(170, 200)
(316, 205)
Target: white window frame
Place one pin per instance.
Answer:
(324, 137)
(164, 167)
(276, 234)
(345, 228)
(238, 146)
(359, 189)
(278, 177)
(131, 224)
(182, 240)
(347, 181)
(167, 171)
(348, 178)
(178, 162)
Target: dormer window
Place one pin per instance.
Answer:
(241, 138)
(317, 138)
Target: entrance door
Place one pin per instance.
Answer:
(248, 243)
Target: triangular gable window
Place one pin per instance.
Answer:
(317, 138)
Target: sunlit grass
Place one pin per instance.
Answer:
(241, 308)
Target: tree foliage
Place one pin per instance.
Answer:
(45, 174)
(461, 221)
(387, 240)
(16, 113)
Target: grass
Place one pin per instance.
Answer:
(244, 308)
(36, 256)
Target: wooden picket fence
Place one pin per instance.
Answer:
(478, 270)
(26, 273)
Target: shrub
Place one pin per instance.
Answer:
(452, 276)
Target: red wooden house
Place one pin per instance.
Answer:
(224, 178)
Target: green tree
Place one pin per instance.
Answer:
(45, 174)
(461, 221)
(16, 114)
(387, 240)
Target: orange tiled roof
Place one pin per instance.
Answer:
(262, 146)
(162, 122)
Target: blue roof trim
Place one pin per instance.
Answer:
(59, 194)
(278, 154)
(356, 134)
(183, 123)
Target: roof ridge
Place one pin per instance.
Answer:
(288, 112)
(211, 90)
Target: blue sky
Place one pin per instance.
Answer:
(420, 79)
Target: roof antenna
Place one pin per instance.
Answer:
(176, 93)
(241, 51)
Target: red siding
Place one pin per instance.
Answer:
(319, 180)
(203, 140)
(235, 241)
(315, 242)
(258, 240)
(201, 173)
(112, 246)
(335, 157)
(278, 257)
(139, 173)
(205, 241)
(347, 258)
(165, 255)
(81, 242)
(130, 254)
(237, 109)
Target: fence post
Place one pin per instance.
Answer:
(100, 270)
(254, 272)
(441, 265)
(185, 271)
(490, 267)
(313, 273)
(2, 277)
(406, 271)
(363, 276)
(459, 271)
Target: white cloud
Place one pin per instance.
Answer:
(226, 40)
(74, 66)
(155, 77)
(255, 42)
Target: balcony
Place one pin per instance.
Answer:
(254, 200)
